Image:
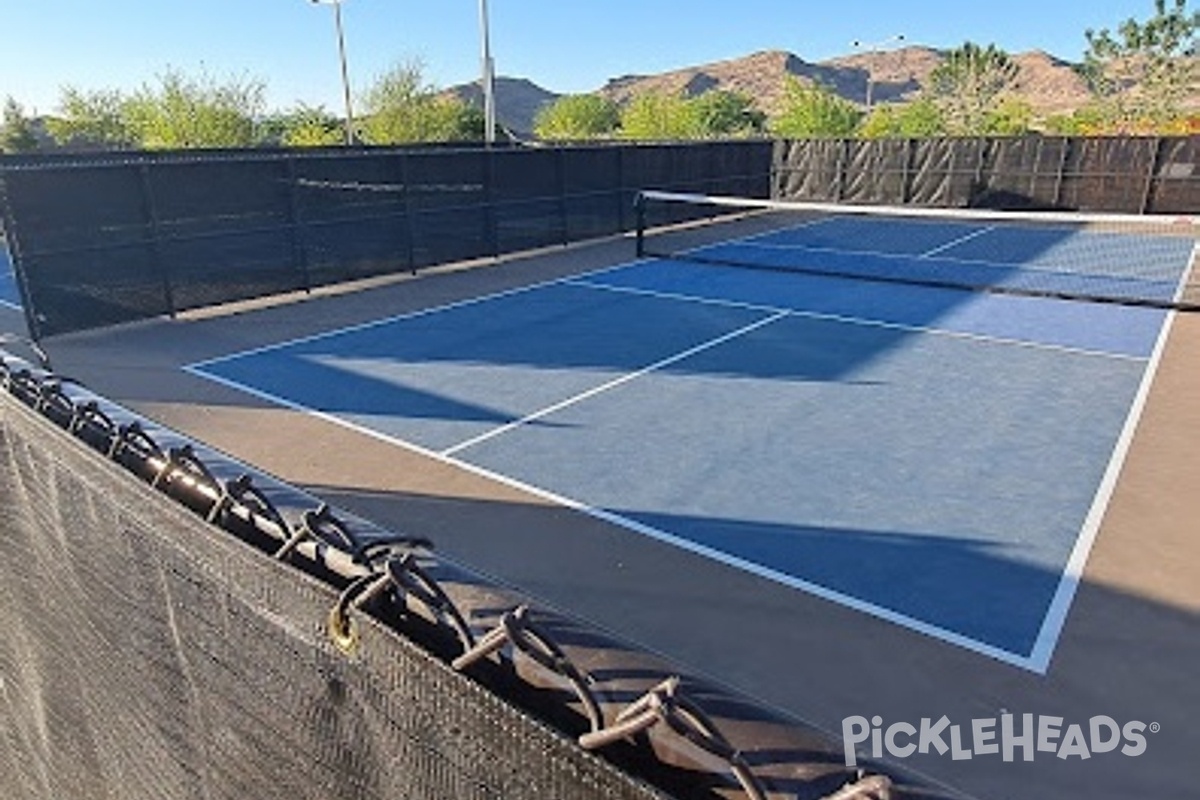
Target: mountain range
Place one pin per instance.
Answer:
(1049, 84)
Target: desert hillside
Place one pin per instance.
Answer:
(1049, 84)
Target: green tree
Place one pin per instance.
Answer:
(400, 107)
(723, 113)
(915, 119)
(812, 110)
(190, 112)
(1011, 116)
(94, 119)
(657, 116)
(471, 122)
(1141, 73)
(968, 85)
(882, 122)
(576, 117)
(308, 126)
(1084, 121)
(16, 129)
(713, 114)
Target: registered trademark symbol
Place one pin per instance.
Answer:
(1155, 727)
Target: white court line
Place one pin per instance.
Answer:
(788, 229)
(1060, 605)
(388, 320)
(935, 255)
(956, 242)
(1005, 266)
(612, 517)
(865, 322)
(682, 297)
(623, 379)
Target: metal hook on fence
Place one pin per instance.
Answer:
(414, 582)
(182, 462)
(358, 593)
(322, 525)
(54, 403)
(90, 413)
(367, 553)
(404, 575)
(242, 492)
(22, 384)
(300, 534)
(517, 628)
(133, 435)
(665, 703)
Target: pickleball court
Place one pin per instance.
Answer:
(937, 458)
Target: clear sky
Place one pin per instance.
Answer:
(562, 45)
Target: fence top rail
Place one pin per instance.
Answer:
(16, 162)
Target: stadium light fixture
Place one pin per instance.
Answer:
(487, 76)
(874, 47)
(341, 42)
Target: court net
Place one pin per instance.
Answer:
(1112, 258)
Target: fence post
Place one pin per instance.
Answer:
(410, 228)
(877, 160)
(840, 166)
(639, 208)
(1038, 150)
(622, 222)
(150, 210)
(491, 228)
(774, 190)
(560, 176)
(296, 224)
(910, 155)
(1152, 174)
(983, 145)
(1062, 170)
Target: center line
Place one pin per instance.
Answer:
(954, 243)
(615, 382)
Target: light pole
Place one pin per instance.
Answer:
(341, 41)
(874, 47)
(487, 76)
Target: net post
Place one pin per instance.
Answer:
(639, 211)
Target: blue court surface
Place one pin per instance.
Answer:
(936, 458)
(9, 296)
